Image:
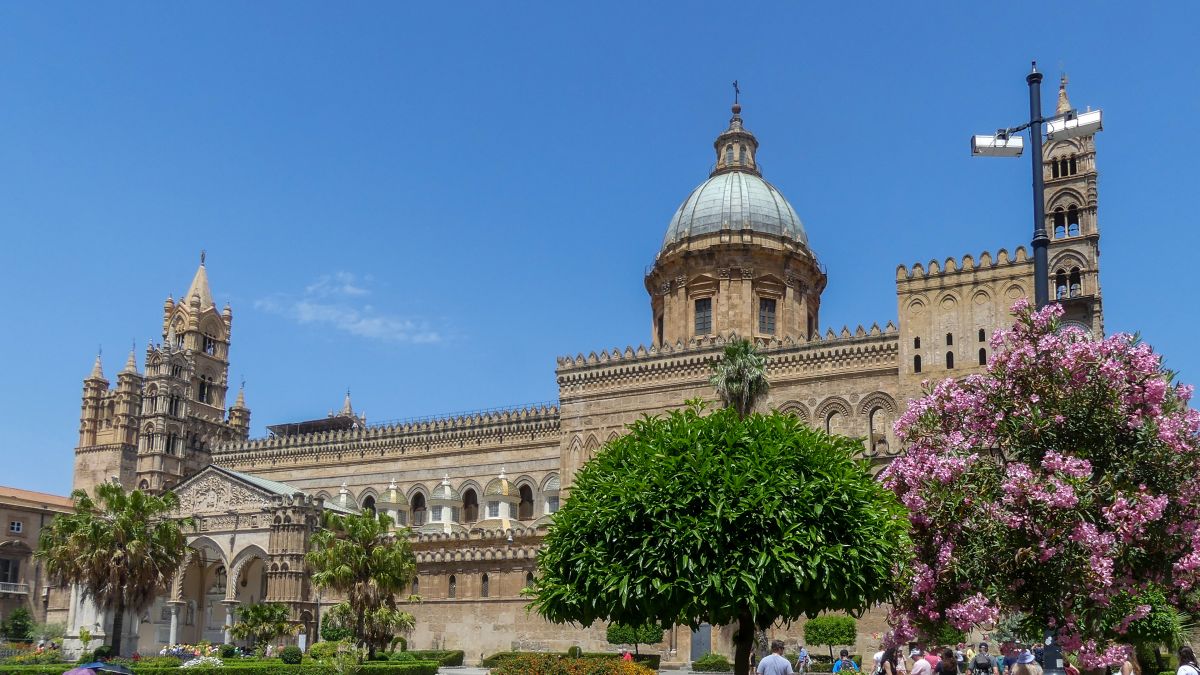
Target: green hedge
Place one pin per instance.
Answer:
(274, 667)
(650, 660)
(444, 657)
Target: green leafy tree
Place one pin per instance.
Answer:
(622, 634)
(717, 518)
(121, 548)
(740, 377)
(358, 556)
(261, 623)
(830, 631)
(18, 625)
(50, 631)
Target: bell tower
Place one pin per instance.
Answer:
(1069, 170)
(186, 383)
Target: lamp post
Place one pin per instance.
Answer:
(1005, 143)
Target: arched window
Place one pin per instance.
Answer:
(525, 507)
(949, 360)
(1072, 166)
(916, 343)
(1060, 285)
(949, 339)
(982, 335)
(1060, 223)
(452, 590)
(741, 154)
(416, 586)
(729, 154)
(982, 356)
(1062, 167)
(368, 504)
(877, 438)
(1072, 222)
(1076, 283)
(470, 506)
(485, 587)
(144, 484)
(1054, 169)
(418, 509)
(916, 364)
(529, 580)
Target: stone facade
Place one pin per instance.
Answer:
(23, 580)
(477, 491)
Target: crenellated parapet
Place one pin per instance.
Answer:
(966, 264)
(394, 438)
(860, 348)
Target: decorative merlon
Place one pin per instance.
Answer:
(967, 264)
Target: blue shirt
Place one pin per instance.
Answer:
(837, 667)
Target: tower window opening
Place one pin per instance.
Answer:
(949, 339)
(982, 335)
(810, 325)
(529, 580)
(1060, 285)
(729, 154)
(766, 316)
(418, 509)
(916, 364)
(1076, 283)
(1062, 167)
(703, 316)
(485, 587)
(741, 154)
(452, 591)
(916, 343)
(470, 506)
(1072, 165)
(659, 328)
(949, 360)
(1060, 223)
(982, 356)
(1054, 169)
(1072, 221)
(176, 371)
(210, 345)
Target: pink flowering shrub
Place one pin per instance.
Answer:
(1060, 484)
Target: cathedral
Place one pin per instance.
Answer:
(478, 491)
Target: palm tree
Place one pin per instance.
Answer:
(358, 556)
(740, 377)
(262, 622)
(120, 548)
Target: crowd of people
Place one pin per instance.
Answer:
(1013, 659)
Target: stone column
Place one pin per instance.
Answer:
(173, 608)
(229, 607)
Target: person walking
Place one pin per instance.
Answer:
(1187, 662)
(774, 663)
(1026, 665)
(983, 663)
(844, 662)
(887, 662)
(920, 666)
(802, 661)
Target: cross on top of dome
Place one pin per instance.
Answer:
(736, 146)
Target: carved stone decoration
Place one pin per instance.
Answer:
(722, 272)
(214, 493)
(747, 273)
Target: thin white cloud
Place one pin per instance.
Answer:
(330, 301)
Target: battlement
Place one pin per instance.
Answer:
(967, 264)
(399, 434)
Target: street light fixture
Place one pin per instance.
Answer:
(1005, 143)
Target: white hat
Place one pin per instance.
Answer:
(916, 651)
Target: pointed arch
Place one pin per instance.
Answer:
(796, 409)
(878, 399)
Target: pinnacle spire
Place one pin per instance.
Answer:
(241, 397)
(97, 370)
(200, 287)
(347, 409)
(1064, 104)
(131, 362)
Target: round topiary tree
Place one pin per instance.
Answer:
(719, 518)
(831, 631)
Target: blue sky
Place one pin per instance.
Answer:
(428, 202)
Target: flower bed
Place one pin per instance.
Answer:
(554, 664)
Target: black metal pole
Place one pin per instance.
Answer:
(1041, 265)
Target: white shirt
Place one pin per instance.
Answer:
(774, 664)
(1187, 669)
(921, 666)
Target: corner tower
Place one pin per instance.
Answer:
(735, 258)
